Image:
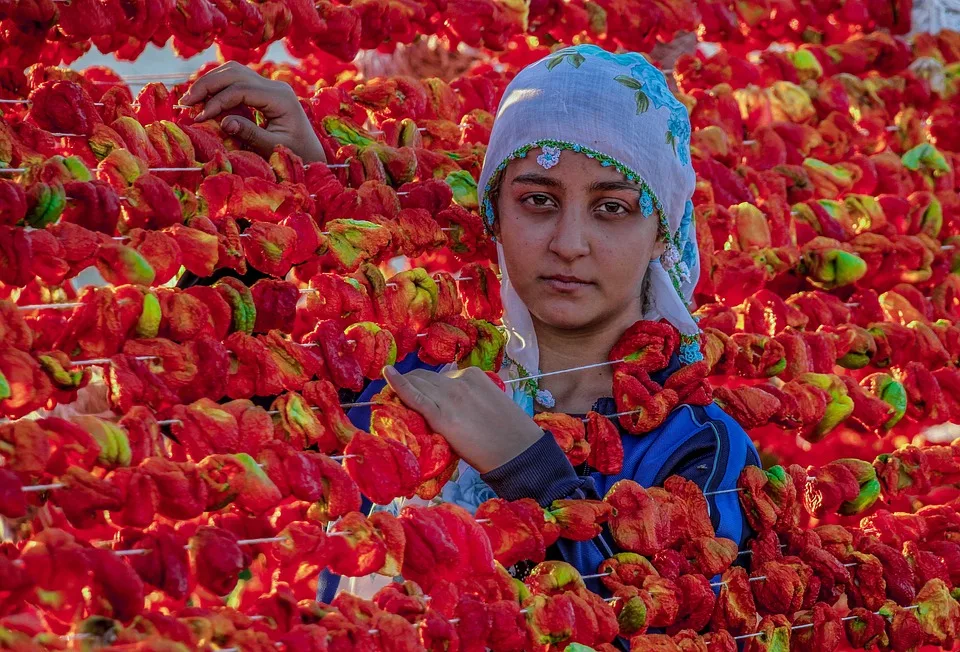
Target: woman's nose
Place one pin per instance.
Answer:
(570, 237)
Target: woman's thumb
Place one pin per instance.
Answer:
(246, 130)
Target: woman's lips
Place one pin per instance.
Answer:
(565, 284)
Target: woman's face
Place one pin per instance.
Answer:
(574, 241)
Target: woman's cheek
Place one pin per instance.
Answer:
(623, 272)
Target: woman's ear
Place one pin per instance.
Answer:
(658, 248)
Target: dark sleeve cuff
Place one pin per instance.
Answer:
(541, 472)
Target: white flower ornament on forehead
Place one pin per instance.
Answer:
(549, 156)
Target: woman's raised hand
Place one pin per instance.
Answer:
(481, 423)
(231, 85)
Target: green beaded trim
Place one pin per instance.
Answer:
(531, 385)
(605, 161)
(674, 272)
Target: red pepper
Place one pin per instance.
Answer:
(866, 630)
(691, 384)
(63, 105)
(141, 497)
(116, 591)
(697, 601)
(297, 424)
(443, 542)
(606, 446)
(751, 407)
(215, 559)
(774, 635)
(391, 419)
(480, 291)
(637, 523)
(12, 500)
(342, 366)
(649, 345)
(736, 610)
(183, 494)
(384, 469)
(579, 520)
(361, 552)
(635, 392)
(710, 555)
(166, 567)
(448, 341)
(239, 480)
(515, 529)
(897, 573)
(869, 587)
(569, 433)
(374, 348)
(781, 591)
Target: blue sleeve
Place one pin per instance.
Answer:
(360, 417)
(541, 472)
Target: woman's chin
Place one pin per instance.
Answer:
(565, 314)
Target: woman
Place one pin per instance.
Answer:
(587, 188)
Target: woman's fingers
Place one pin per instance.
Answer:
(414, 391)
(431, 378)
(215, 81)
(237, 94)
(259, 139)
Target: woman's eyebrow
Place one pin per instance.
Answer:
(600, 186)
(532, 178)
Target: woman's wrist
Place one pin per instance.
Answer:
(514, 447)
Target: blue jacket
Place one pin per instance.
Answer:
(702, 444)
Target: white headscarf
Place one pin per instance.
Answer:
(617, 109)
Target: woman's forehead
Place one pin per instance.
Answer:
(572, 170)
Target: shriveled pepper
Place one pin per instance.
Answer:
(938, 613)
(750, 406)
(865, 630)
(579, 520)
(383, 468)
(774, 635)
(515, 529)
(569, 433)
(448, 341)
(487, 353)
(216, 559)
(606, 446)
(759, 356)
(239, 480)
(647, 403)
(647, 344)
(374, 347)
(697, 601)
(390, 419)
(636, 522)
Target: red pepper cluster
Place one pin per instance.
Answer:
(193, 518)
(43, 30)
(232, 527)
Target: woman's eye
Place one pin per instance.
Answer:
(538, 200)
(613, 208)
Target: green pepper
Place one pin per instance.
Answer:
(464, 189)
(240, 299)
